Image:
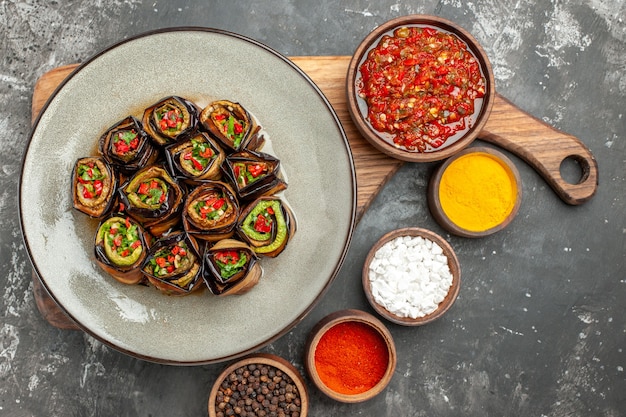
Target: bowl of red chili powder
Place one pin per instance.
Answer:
(420, 88)
(350, 356)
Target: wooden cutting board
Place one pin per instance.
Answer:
(540, 145)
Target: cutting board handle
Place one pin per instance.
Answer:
(544, 148)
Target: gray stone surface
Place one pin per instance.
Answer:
(539, 328)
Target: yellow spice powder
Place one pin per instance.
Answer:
(477, 192)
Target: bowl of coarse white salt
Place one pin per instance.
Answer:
(411, 276)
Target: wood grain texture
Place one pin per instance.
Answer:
(540, 145)
(544, 148)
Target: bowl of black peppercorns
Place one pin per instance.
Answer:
(260, 384)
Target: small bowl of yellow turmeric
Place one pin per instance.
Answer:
(475, 193)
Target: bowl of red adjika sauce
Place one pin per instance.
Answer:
(420, 88)
(350, 356)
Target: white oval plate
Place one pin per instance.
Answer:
(202, 65)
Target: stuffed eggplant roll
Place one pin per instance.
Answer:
(153, 198)
(93, 186)
(230, 267)
(171, 120)
(232, 125)
(127, 146)
(266, 225)
(254, 174)
(197, 158)
(173, 265)
(121, 246)
(211, 211)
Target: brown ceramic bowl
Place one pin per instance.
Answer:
(463, 230)
(453, 265)
(272, 361)
(349, 316)
(384, 142)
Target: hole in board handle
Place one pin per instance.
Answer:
(574, 169)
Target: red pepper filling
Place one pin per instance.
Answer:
(90, 176)
(231, 127)
(200, 155)
(166, 258)
(263, 224)
(227, 257)
(151, 192)
(170, 120)
(249, 173)
(125, 142)
(124, 238)
(211, 208)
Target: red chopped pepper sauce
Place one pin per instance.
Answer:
(210, 207)
(125, 142)
(263, 224)
(420, 86)
(90, 176)
(227, 257)
(170, 119)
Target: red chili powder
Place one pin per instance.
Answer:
(351, 357)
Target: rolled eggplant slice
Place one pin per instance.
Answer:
(153, 198)
(232, 125)
(231, 267)
(171, 120)
(267, 225)
(121, 246)
(173, 265)
(127, 146)
(197, 158)
(211, 211)
(94, 184)
(254, 174)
